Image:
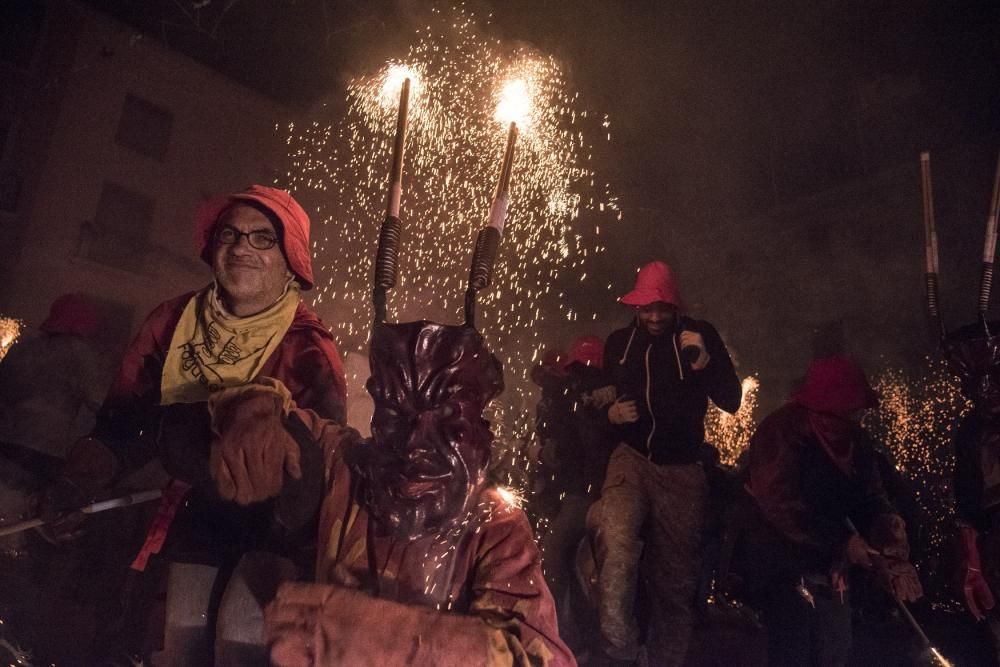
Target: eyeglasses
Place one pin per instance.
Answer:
(259, 239)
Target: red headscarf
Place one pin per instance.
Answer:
(294, 222)
(73, 314)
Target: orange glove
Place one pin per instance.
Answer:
(900, 578)
(252, 450)
(858, 552)
(974, 589)
(317, 624)
(888, 536)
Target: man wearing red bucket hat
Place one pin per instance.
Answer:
(815, 479)
(665, 366)
(249, 322)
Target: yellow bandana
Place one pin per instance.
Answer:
(212, 349)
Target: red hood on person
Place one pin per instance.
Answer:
(73, 314)
(836, 385)
(294, 230)
(655, 282)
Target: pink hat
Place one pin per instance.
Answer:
(294, 222)
(655, 282)
(836, 385)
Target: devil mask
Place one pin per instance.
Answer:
(430, 445)
(975, 357)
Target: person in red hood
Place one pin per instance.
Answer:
(815, 478)
(249, 322)
(51, 378)
(665, 367)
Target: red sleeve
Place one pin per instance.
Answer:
(308, 364)
(509, 592)
(774, 473)
(142, 364)
(126, 421)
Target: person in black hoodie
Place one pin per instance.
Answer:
(665, 366)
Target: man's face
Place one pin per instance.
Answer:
(658, 317)
(250, 277)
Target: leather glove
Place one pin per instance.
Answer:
(252, 449)
(974, 589)
(888, 536)
(87, 474)
(58, 504)
(601, 396)
(858, 552)
(900, 578)
(694, 339)
(623, 412)
(317, 624)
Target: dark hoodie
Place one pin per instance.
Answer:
(671, 397)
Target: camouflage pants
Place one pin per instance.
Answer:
(647, 526)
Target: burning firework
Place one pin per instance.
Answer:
(730, 433)
(10, 331)
(466, 90)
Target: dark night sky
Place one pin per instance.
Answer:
(725, 116)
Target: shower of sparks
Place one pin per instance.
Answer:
(942, 661)
(915, 421)
(462, 85)
(392, 84)
(10, 331)
(514, 105)
(513, 497)
(730, 433)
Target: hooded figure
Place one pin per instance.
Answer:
(421, 561)
(974, 356)
(815, 479)
(249, 322)
(51, 379)
(665, 367)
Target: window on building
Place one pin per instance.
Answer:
(20, 27)
(119, 234)
(144, 127)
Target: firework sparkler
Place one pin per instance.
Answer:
(10, 331)
(930, 242)
(465, 92)
(387, 258)
(989, 248)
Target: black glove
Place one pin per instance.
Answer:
(87, 474)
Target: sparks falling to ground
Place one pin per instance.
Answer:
(915, 421)
(730, 433)
(10, 331)
(465, 91)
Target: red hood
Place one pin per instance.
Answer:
(837, 386)
(294, 222)
(655, 282)
(72, 314)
